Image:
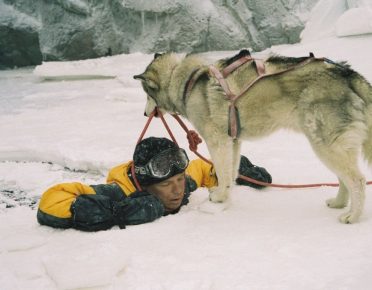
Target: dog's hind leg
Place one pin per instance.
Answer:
(356, 187)
(342, 198)
(336, 128)
(345, 164)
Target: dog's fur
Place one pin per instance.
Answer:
(330, 103)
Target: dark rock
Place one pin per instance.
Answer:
(19, 47)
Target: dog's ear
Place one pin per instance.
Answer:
(152, 84)
(156, 55)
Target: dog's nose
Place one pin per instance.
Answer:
(144, 113)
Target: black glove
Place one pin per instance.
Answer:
(140, 207)
(246, 168)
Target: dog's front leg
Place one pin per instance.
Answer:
(222, 152)
(236, 158)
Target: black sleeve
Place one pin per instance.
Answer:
(111, 190)
(94, 212)
(246, 168)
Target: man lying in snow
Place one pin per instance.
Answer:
(163, 171)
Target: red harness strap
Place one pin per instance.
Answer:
(234, 121)
(233, 66)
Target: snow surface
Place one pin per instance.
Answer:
(72, 121)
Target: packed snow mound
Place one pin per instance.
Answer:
(84, 268)
(339, 18)
(105, 67)
(355, 21)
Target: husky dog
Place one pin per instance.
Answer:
(328, 102)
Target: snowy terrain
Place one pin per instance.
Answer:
(72, 121)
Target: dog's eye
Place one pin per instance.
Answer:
(148, 90)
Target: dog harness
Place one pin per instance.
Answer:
(234, 127)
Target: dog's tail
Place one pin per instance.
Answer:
(361, 87)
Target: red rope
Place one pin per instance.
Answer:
(291, 185)
(146, 125)
(194, 140)
(136, 182)
(286, 185)
(167, 127)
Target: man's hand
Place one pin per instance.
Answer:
(246, 168)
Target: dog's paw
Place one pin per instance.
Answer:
(217, 195)
(348, 217)
(335, 203)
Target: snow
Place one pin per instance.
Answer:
(72, 121)
(338, 18)
(355, 21)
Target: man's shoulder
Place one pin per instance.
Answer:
(121, 166)
(119, 175)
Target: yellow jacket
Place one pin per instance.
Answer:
(57, 200)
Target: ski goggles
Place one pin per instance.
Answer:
(164, 163)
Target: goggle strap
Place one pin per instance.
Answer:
(138, 186)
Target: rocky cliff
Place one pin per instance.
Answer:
(32, 31)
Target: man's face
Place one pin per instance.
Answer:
(170, 191)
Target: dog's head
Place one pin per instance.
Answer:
(155, 82)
